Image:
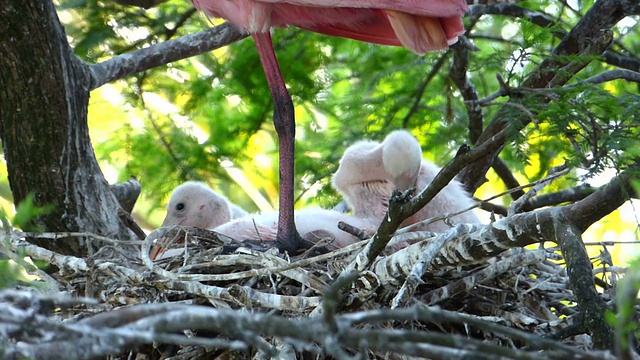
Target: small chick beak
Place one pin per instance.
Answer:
(157, 249)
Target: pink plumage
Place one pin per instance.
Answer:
(420, 26)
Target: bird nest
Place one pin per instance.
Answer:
(211, 298)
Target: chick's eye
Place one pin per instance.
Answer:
(180, 207)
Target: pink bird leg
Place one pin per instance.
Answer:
(418, 25)
(369, 172)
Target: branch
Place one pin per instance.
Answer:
(579, 268)
(145, 4)
(608, 76)
(553, 174)
(544, 20)
(458, 74)
(124, 328)
(541, 19)
(567, 195)
(509, 180)
(602, 202)
(626, 62)
(475, 244)
(127, 193)
(590, 36)
(419, 93)
(161, 54)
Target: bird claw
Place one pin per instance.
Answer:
(293, 247)
(402, 197)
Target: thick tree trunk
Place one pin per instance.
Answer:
(43, 125)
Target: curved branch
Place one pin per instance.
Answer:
(161, 54)
(602, 202)
(541, 19)
(507, 177)
(590, 36)
(619, 74)
(127, 193)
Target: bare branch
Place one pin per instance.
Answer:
(127, 193)
(507, 177)
(553, 174)
(458, 73)
(608, 76)
(512, 10)
(161, 54)
(567, 195)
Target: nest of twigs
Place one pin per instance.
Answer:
(212, 298)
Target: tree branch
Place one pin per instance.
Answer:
(458, 74)
(587, 37)
(602, 202)
(507, 177)
(161, 54)
(579, 268)
(127, 193)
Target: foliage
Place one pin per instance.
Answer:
(26, 211)
(11, 272)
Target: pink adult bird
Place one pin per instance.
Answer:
(418, 25)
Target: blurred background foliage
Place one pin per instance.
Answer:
(209, 118)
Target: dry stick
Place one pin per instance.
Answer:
(28, 267)
(334, 296)
(93, 339)
(407, 291)
(553, 174)
(151, 322)
(397, 212)
(236, 294)
(239, 295)
(274, 264)
(378, 339)
(62, 235)
(413, 227)
(66, 262)
(436, 315)
(490, 272)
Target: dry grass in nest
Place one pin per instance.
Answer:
(213, 299)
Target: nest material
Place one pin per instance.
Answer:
(258, 304)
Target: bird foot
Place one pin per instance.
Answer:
(295, 247)
(402, 197)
